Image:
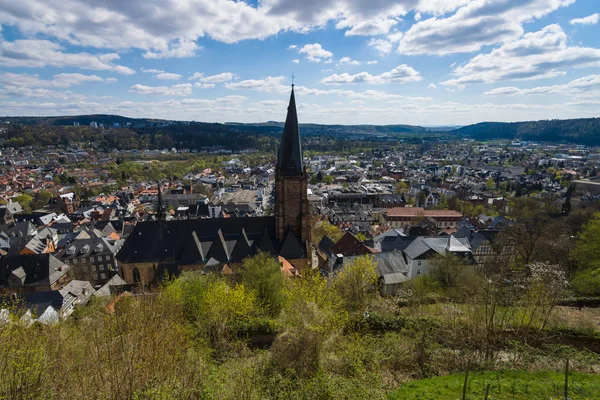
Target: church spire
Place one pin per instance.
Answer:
(289, 160)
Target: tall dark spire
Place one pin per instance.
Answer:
(289, 160)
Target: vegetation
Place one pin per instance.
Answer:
(255, 335)
(506, 385)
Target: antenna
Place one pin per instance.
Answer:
(293, 78)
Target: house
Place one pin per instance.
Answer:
(52, 305)
(8, 211)
(399, 216)
(419, 253)
(33, 273)
(91, 259)
(433, 200)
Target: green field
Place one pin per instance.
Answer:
(503, 385)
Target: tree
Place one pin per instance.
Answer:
(401, 187)
(324, 228)
(25, 201)
(490, 184)
(587, 250)
(328, 179)
(355, 281)
(448, 269)
(262, 275)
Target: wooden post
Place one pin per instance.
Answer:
(567, 380)
(464, 396)
(487, 392)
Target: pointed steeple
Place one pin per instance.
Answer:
(289, 160)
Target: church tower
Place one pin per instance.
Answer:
(292, 211)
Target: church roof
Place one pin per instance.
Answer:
(289, 160)
(291, 247)
(151, 242)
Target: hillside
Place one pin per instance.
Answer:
(583, 131)
(141, 132)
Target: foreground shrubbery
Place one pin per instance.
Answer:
(258, 336)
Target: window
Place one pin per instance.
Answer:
(419, 263)
(93, 268)
(92, 259)
(107, 258)
(85, 268)
(101, 267)
(418, 272)
(103, 276)
(75, 261)
(95, 277)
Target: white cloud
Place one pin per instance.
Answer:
(222, 77)
(168, 76)
(218, 78)
(589, 20)
(401, 74)
(417, 16)
(292, 47)
(474, 25)
(204, 85)
(577, 86)
(123, 70)
(541, 54)
(111, 80)
(348, 61)
(270, 84)
(296, 61)
(184, 89)
(432, 86)
(41, 53)
(20, 91)
(59, 80)
(372, 27)
(152, 71)
(383, 46)
(315, 53)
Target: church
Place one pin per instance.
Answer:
(155, 249)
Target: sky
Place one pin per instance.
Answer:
(419, 62)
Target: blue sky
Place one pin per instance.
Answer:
(426, 62)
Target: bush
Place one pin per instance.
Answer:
(587, 282)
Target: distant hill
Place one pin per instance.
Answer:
(582, 131)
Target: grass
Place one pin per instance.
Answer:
(509, 385)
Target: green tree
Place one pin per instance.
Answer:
(355, 281)
(401, 187)
(25, 201)
(262, 275)
(587, 250)
(328, 179)
(325, 228)
(490, 184)
(448, 269)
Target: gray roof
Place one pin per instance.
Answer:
(105, 290)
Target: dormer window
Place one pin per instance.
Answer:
(98, 248)
(71, 250)
(85, 249)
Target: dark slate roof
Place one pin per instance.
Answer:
(85, 248)
(151, 241)
(325, 245)
(242, 248)
(193, 252)
(289, 160)
(291, 247)
(37, 267)
(391, 243)
(40, 301)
